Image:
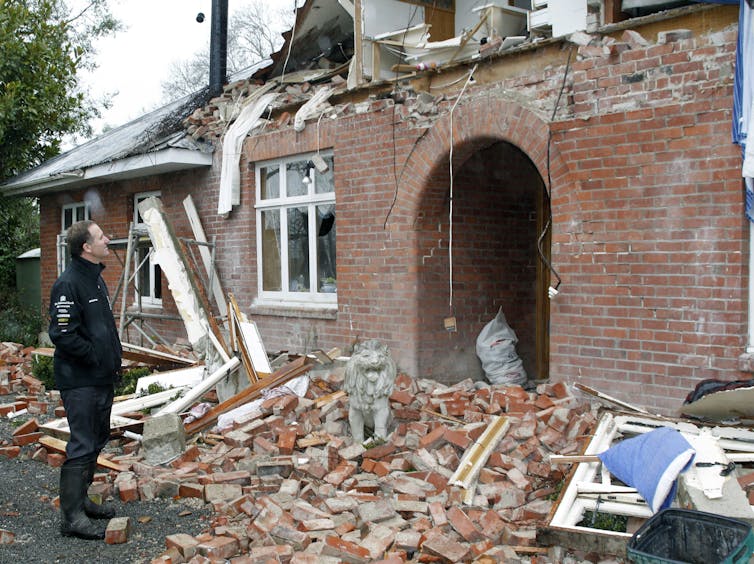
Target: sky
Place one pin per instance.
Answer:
(133, 62)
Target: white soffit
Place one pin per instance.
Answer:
(168, 160)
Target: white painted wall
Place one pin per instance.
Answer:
(381, 16)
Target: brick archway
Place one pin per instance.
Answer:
(475, 123)
(499, 166)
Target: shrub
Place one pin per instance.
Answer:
(129, 379)
(41, 369)
(19, 323)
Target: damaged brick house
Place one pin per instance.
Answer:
(574, 168)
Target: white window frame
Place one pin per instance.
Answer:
(313, 299)
(75, 208)
(151, 299)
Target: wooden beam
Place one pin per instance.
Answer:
(287, 372)
(199, 236)
(610, 399)
(59, 446)
(597, 541)
(152, 357)
(324, 400)
(358, 44)
(248, 343)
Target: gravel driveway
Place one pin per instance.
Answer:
(27, 489)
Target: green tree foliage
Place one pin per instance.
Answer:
(43, 44)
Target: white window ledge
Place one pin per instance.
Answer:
(306, 311)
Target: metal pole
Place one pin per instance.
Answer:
(218, 47)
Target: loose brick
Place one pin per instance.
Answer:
(10, 451)
(29, 426)
(445, 547)
(347, 551)
(218, 547)
(118, 530)
(463, 525)
(183, 543)
(23, 440)
(7, 537)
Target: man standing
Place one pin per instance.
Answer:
(86, 364)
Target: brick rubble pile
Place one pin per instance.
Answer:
(288, 484)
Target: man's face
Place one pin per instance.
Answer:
(96, 250)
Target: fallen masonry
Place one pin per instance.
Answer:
(465, 474)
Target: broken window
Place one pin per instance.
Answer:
(296, 230)
(149, 276)
(71, 213)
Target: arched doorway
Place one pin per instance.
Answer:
(491, 251)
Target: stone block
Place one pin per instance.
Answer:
(163, 439)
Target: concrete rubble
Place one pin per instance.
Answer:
(287, 483)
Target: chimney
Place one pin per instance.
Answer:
(218, 47)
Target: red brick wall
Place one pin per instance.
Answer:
(649, 236)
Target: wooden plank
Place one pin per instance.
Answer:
(199, 236)
(59, 446)
(324, 400)
(281, 376)
(600, 395)
(588, 540)
(573, 458)
(151, 356)
(188, 293)
(125, 280)
(237, 340)
(59, 427)
(358, 43)
(172, 379)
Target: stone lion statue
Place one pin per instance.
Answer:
(370, 375)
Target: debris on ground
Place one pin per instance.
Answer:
(469, 472)
(287, 482)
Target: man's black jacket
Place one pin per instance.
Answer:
(82, 327)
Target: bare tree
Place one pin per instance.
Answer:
(254, 33)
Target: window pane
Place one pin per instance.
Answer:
(157, 283)
(269, 179)
(67, 218)
(298, 249)
(80, 213)
(294, 178)
(326, 248)
(271, 276)
(143, 277)
(325, 182)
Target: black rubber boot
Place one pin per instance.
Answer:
(73, 486)
(95, 510)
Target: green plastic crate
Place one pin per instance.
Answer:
(684, 536)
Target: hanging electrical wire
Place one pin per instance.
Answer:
(552, 290)
(290, 41)
(450, 211)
